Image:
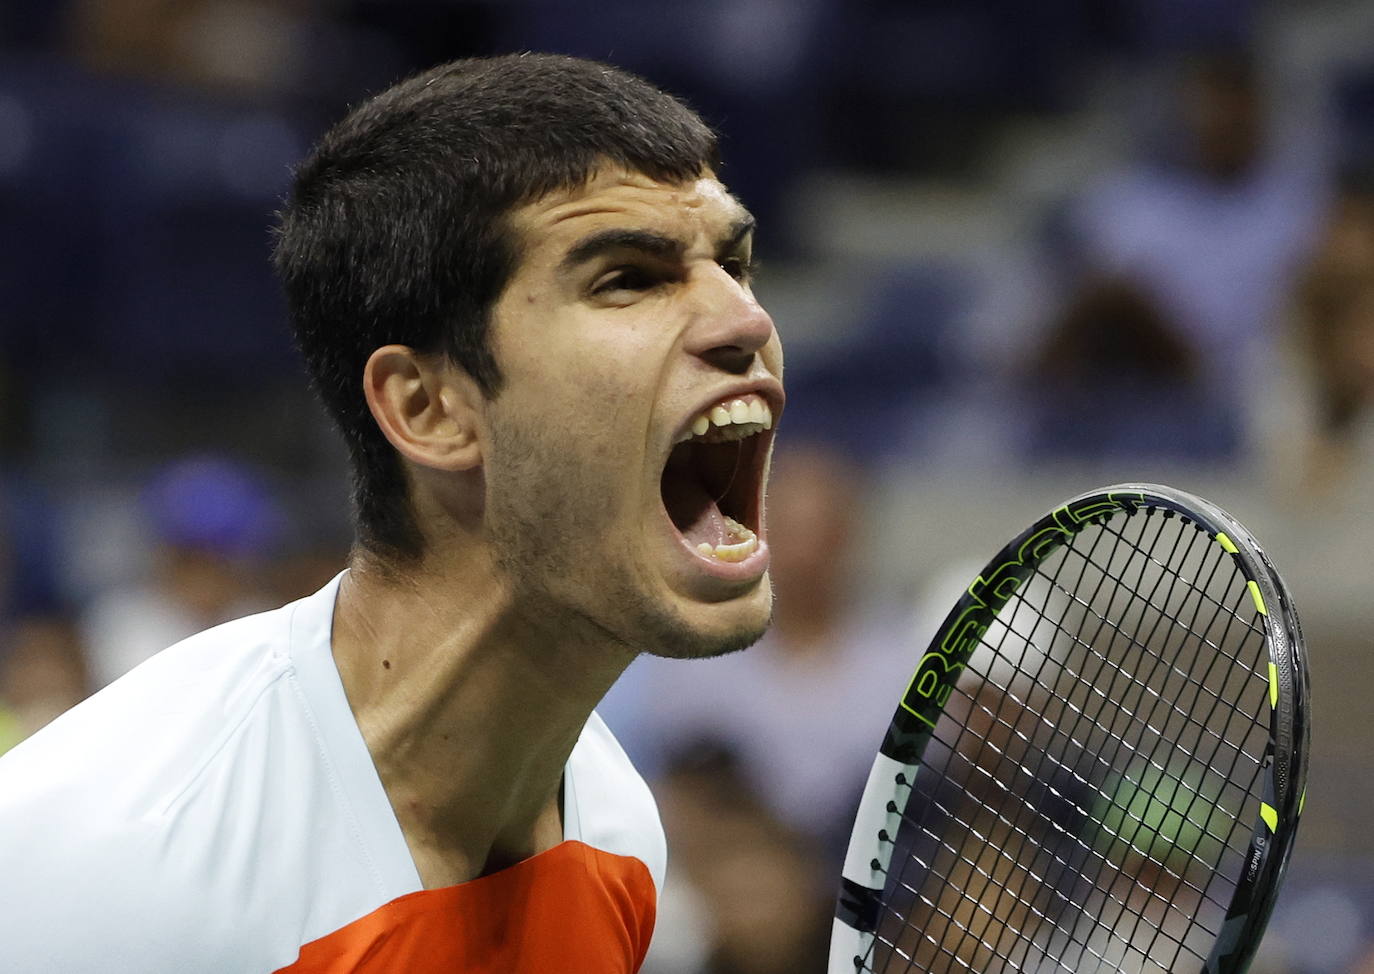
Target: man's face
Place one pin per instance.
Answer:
(611, 501)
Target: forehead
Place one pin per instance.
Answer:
(695, 211)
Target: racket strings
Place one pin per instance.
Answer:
(1052, 834)
(1132, 640)
(1047, 754)
(974, 891)
(1150, 718)
(1197, 685)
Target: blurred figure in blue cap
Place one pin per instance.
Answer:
(215, 525)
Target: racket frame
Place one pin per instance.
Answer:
(1284, 769)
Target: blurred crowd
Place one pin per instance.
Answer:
(1136, 235)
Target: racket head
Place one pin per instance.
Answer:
(1010, 802)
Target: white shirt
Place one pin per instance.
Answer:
(217, 808)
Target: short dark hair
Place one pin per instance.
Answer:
(396, 228)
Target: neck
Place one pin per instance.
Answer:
(469, 707)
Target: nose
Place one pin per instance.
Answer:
(730, 326)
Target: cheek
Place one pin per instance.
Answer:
(772, 354)
(577, 449)
(581, 390)
(591, 415)
(598, 386)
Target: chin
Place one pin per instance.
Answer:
(715, 629)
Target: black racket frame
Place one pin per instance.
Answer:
(1284, 768)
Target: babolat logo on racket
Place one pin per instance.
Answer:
(966, 625)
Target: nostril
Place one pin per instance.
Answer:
(730, 358)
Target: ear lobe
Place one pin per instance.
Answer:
(425, 407)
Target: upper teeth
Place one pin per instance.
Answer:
(732, 419)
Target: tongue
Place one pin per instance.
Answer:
(694, 511)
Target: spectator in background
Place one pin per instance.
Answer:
(761, 891)
(1335, 332)
(806, 707)
(214, 524)
(43, 672)
(293, 52)
(226, 44)
(1113, 377)
(1365, 965)
(1195, 253)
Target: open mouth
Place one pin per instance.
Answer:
(713, 481)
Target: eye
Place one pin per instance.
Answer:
(628, 278)
(740, 268)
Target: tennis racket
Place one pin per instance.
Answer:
(1100, 761)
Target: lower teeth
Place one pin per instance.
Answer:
(747, 544)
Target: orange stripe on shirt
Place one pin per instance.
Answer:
(571, 909)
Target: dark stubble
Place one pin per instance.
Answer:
(545, 511)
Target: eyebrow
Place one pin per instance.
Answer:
(648, 242)
(645, 241)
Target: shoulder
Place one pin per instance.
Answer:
(608, 805)
(138, 739)
(115, 819)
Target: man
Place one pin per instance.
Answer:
(523, 295)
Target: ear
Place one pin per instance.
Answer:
(426, 407)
